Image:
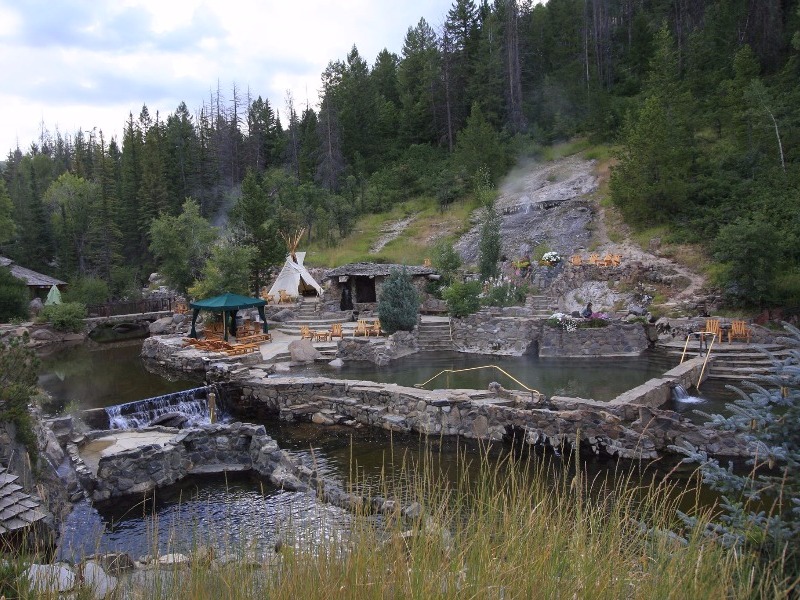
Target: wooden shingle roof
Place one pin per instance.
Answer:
(31, 278)
(17, 509)
(365, 269)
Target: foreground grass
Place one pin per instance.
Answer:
(507, 529)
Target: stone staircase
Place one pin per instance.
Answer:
(540, 306)
(730, 362)
(306, 314)
(434, 335)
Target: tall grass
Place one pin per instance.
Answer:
(506, 527)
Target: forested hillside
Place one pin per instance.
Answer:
(702, 99)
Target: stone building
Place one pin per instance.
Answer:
(358, 285)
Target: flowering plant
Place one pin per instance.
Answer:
(565, 322)
(551, 258)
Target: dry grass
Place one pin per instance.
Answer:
(504, 529)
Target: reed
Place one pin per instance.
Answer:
(505, 526)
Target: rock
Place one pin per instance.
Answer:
(173, 558)
(321, 419)
(178, 319)
(303, 351)
(170, 419)
(94, 578)
(43, 335)
(35, 306)
(114, 562)
(638, 311)
(160, 326)
(49, 579)
(336, 363)
(283, 315)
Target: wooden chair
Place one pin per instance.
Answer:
(306, 333)
(712, 326)
(739, 330)
(594, 259)
(361, 328)
(616, 259)
(607, 260)
(336, 331)
(575, 260)
(375, 328)
(181, 308)
(285, 297)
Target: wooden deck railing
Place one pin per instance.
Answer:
(110, 309)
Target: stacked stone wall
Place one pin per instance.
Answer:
(617, 339)
(208, 449)
(508, 332)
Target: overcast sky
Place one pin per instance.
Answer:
(71, 64)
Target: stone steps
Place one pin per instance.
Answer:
(434, 336)
(731, 362)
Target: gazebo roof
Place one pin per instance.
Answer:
(227, 301)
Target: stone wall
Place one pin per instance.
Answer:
(620, 429)
(168, 352)
(378, 350)
(209, 449)
(508, 331)
(617, 339)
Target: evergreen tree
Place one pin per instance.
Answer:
(398, 303)
(7, 226)
(226, 270)
(13, 297)
(489, 246)
(761, 507)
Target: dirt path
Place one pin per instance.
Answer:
(390, 232)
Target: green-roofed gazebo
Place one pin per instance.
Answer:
(227, 304)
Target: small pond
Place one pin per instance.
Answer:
(91, 375)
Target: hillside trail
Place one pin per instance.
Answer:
(633, 251)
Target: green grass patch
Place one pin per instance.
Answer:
(551, 153)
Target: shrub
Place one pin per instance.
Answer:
(13, 297)
(64, 317)
(88, 290)
(18, 375)
(506, 294)
(463, 298)
(398, 304)
(447, 260)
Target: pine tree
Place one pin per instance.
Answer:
(762, 507)
(489, 245)
(398, 303)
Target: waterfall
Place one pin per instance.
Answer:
(679, 394)
(191, 404)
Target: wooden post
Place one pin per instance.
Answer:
(212, 406)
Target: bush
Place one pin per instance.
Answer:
(18, 375)
(506, 294)
(13, 297)
(463, 298)
(64, 317)
(88, 290)
(398, 304)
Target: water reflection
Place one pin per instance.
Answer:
(96, 376)
(595, 378)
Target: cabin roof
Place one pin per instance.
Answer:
(366, 269)
(30, 277)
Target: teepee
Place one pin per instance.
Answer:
(294, 279)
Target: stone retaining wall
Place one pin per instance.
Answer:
(208, 449)
(168, 351)
(617, 339)
(623, 428)
(509, 332)
(380, 351)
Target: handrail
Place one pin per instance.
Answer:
(702, 335)
(504, 372)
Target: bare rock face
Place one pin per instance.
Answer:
(303, 351)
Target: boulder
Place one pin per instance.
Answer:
(35, 306)
(160, 326)
(43, 335)
(178, 319)
(283, 315)
(336, 363)
(303, 351)
(49, 579)
(95, 578)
